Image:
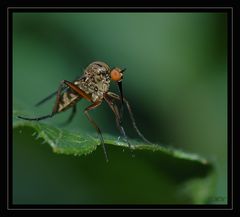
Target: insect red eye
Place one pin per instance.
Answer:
(116, 75)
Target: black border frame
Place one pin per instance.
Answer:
(6, 13)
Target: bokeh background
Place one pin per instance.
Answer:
(176, 82)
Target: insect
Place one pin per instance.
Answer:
(92, 86)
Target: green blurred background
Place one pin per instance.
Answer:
(176, 82)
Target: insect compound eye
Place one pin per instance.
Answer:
(116, 74)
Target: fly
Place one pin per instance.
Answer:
(93, 86)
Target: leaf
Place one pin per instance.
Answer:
(188, 177)
(66, 142)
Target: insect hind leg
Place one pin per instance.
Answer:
(55, 108)
(37, 118)
(73, 113)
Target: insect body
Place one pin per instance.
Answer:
(95, 82)
(94, 87)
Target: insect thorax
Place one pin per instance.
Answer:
(96, 80)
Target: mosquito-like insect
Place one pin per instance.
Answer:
(93, 86)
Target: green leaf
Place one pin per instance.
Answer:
(188, 177)
(66, 142)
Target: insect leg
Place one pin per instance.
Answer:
(93, 106)
(78, 90)
(74, 110)
(45, 99)
(54, 111)
(55, 108)
(115, 96)
(115, 110)
(73, 113)
(53, 94)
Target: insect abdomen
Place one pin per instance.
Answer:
(67, 100)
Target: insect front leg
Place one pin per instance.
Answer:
(91, 107)
(118, 117)
(115, 96)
